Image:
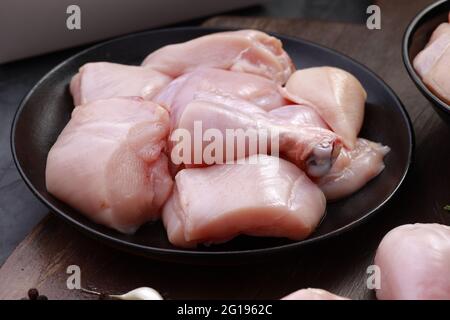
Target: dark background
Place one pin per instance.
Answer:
(20, 211)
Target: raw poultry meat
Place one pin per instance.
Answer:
(443, 28)
(299, 115)
(313, 149)
(313, 294)
(116, 142)
(353, 169)
(266, 196)
(426, 60)
(337, 96)
(260, 91)
(247, 51)
(108, 162)
(103, 80)
(433, 63)
(414, 261)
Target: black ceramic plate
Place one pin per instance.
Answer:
(47, 108)
(416, 37)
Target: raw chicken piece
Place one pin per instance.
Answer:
(313, 149)
(233, 103)
(337, 96)
(438, 79)
(353, 169)
(425, 60)
(443, 28)
(108, 162)
(252, 88)
(247, 51)
(433, 63)
(299, 115)
(414, 261)
(313, 294)
(266, 196)
(103, 80)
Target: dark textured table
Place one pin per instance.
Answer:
(338, 265)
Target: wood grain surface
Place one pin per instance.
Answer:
(338, 265)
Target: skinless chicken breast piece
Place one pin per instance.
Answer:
(103, 80)
(108, 162)
(438, 79)
(414, 262)
(335, 94)
(427, 58)
(443, 28)
(266, 196)
(433, 63)
(248, 51)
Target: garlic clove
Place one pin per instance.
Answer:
(143, 293)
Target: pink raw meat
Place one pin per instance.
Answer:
(414, 261)
(335, 94)
(266, 196)
(353, 169)
(249, 51)
(108, 162)
(103, 80)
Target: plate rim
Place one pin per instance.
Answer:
(189, 253)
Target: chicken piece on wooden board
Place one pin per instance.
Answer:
(266, 196)
(249, 51)
(108, 162)
(414, 262)
(104, 80)
(337, 96)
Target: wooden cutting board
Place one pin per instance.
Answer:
(338, 265)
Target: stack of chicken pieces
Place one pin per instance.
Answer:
(113, 161)
(433, 62)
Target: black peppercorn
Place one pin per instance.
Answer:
(33, 293)
(42, 297)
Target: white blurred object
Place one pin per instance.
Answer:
(29, 28)
(143, 293)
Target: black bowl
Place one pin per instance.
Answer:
(46, 109)
(414, 40)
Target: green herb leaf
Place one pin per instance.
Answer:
(447, 207)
